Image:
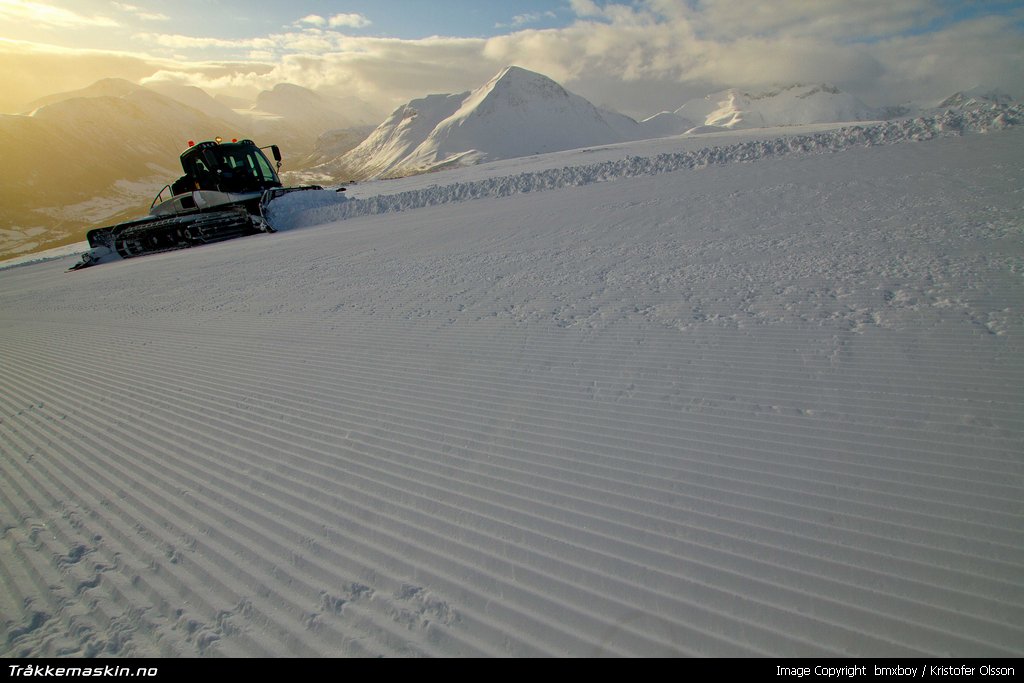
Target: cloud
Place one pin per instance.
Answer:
(140, 13)
(882, 52)
(521, 20)
(182, 42)
(32, 71)
(41, 14)
(348, 21)
(639, 57)
(585, 8)
(821, 19)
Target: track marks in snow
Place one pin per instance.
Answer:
(507, 428)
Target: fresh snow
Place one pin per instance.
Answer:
(792, 105)
(517, 113)
(398, 137)
(748, 395)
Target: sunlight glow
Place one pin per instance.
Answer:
(48, 15)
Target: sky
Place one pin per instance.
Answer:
(638, 56)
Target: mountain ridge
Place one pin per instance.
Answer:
(783, 106)
(516, 113)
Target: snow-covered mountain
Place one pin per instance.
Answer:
(788, 106)
(664, 124)
(296, 103)
(976, 97)
(398, 137)
(295, 117)
(106, 87)
(520, 113)
(336, 142)
(517, 113)
(197, 98)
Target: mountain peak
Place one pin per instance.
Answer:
(512, 71)
(798, 90)
(105, 87)
(284, 94)
(512, 75)
(783, 106)
(516, 113)
(515, 86)
(975, 97)
(108, 86)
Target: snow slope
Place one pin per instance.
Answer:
(767, 404)
(975, 97)
(517, 113)
(398, 137)
(664, 124)
(792, 105)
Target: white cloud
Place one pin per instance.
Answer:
(521, 20)
(823, 19)
(585, 8)
(182, 42)
(348, 21)
(883, 52)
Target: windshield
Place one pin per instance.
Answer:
(245, 164)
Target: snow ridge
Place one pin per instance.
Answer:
(518, 112)
(787, 106)
(292, 211)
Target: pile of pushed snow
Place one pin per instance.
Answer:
(946, 124)
(790, 106)
(285, 212)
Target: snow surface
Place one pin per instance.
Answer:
(398, 137)
(792, 105)
(761, 399)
